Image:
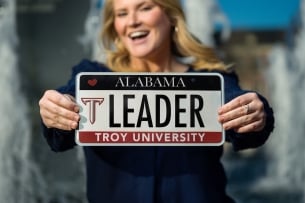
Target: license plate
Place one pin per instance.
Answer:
(167, 109)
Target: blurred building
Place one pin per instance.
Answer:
(256, 26)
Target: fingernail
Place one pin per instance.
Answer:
(226, 127)
(74, 125)
(76, 118)
(76, 109)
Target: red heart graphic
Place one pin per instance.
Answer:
(92, 82)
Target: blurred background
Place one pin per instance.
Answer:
(40, 40)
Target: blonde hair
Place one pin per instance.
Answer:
(184, 44)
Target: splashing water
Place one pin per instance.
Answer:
(92, 27)
(20, 177)
(17, 173)
(202, 16)
(287, 81)
(194, 13)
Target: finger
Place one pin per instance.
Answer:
(53, 110)
(251, 127)
(63, 126)
(71, 98)
(64, 101)
(58, 111)
(235, 113)
(252, 122)
(237, 122)
(53, 120)
(237, 102)
(58, 103)
(67, 124)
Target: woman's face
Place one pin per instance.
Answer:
(142, 26)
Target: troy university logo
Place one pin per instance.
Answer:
(93, 103)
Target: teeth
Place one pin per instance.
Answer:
(138, 34)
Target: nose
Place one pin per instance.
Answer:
(133, 20)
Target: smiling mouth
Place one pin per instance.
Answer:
(138, 35)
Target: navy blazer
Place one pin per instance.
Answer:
(157, 174)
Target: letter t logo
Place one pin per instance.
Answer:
(93, 102)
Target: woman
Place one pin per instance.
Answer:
(151, 36)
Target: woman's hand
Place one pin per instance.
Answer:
(243, 114)
(59, 110)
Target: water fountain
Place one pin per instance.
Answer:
(208, 13)
(286, 78)
(17, 172)
(92, 26)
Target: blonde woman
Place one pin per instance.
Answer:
(151, 36)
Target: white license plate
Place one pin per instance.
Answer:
(149, 109)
